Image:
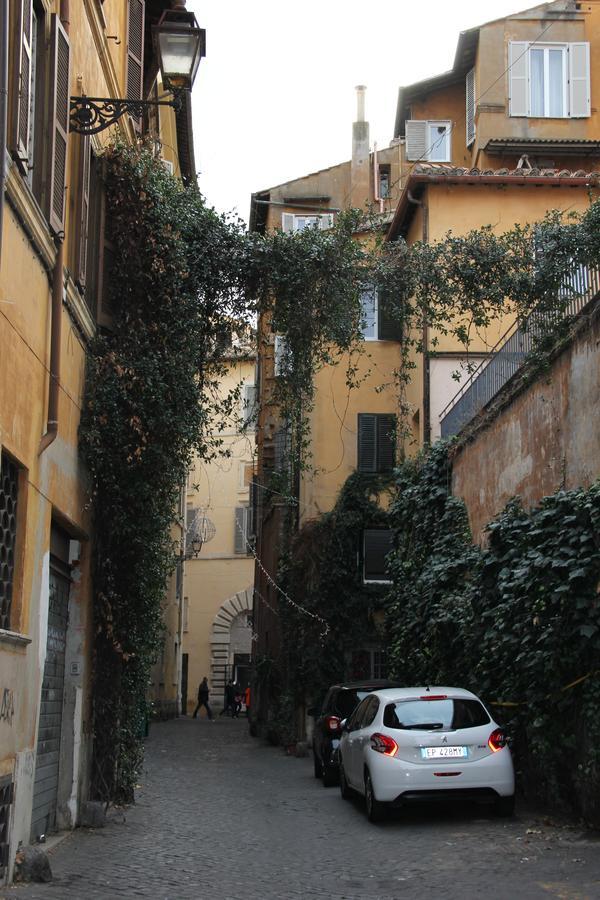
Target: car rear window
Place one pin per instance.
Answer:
(443, 714)
(347, 701)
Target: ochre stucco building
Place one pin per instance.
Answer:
(53, 265)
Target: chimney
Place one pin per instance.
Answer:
(359, 169)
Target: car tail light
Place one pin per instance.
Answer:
(434, 697)
(382, 743)
(497, 740)
(333, 723)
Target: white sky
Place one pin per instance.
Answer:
(274, 98)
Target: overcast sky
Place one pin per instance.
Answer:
(274, 98)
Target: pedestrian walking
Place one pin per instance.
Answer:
(247, 701)
(203, 698)
(228, 706)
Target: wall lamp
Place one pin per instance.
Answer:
(179, 44)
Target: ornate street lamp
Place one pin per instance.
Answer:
(180, 44)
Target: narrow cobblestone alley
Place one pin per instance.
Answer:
(221, 816)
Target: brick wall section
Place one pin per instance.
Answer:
(536, 441)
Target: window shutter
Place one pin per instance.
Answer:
(248, 403)
(280, 352)
(241, 526)
(416, 139)
(377, 545)
(84, 208)
(22, 70)
(326, 221)
(367, 442)
(59, 124)
(135, 52)
(579, 80)
(386, 443)
(390, 328)
(287, 222)
(518, 76)
(106, 256)
(470, 110)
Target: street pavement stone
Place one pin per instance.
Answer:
(222, 816)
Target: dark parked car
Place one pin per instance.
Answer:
(340, 702)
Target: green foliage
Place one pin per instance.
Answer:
(517, 622)
(175, 286)
(332, 610)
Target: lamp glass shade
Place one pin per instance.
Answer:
(196, 546)
(179, 55)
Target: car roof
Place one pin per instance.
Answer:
(408, 693)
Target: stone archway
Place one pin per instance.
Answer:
(220, 640)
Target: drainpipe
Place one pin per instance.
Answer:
(425, 336)
(3, 106)
(56, 312)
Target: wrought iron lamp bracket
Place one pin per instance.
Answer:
(89, 115)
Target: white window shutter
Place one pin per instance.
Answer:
(518, 77)
(280, 354)
(470, 110)
(416, 139)
(579, 80)
(326, 221)
(287, 222)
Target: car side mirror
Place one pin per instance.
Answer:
(344, 725)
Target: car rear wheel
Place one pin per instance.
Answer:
(505, 806)
(317, 765)
(345, 789)
(375, 809)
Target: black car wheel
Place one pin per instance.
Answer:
(330, 775)
(317, 765)
(375, 809)
(345, 789)
(505, 806)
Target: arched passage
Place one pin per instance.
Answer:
(231, 636)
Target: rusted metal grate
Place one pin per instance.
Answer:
(6, 797)
(9, 477)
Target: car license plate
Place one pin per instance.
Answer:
(443, 752)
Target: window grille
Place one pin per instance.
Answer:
(9, 478)
(6, 796)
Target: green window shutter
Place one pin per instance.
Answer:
(135, 52)
(390, 328)
(84, 208)
(367, 442)
(59, 124)
(386, 443)
(23, 66)
(377, 543)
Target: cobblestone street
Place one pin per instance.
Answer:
(220, 815)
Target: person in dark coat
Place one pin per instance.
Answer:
(228, 706)
(203, 698)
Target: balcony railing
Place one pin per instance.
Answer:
(512, 350)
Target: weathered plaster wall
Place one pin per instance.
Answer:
(546, 439)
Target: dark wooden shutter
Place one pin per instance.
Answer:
(59, 124)
(386, 443)
(23, 65)
(84, 209)
(135, 52)
(377, 545)
(390, 328)
(367, 442)
(106, 256)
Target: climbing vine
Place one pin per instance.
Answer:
(518, 622)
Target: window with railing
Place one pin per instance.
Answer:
(9, 490)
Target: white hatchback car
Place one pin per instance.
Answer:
(430, 743)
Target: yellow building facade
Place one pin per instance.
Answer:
(52, 271)
(217, 612)
(511, 132)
